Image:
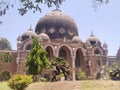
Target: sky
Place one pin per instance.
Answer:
(104, 22)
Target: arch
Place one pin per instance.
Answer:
(49, 51)
(82, 50)
(97, 50)
(5, 75)
(65, 51)
(26, 45)
(79, 58)
(79, 61)
(52, 48)
(67, 46)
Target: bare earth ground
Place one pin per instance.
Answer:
(76, 85)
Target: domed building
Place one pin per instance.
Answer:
(58, 34)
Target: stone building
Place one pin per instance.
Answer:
(59, 36)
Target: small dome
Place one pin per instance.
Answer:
(0, 38)
(19, 39)
(76, 39)
(57, 25)
(44, 36)
(29, 34)
(105, 45)
(93, 39)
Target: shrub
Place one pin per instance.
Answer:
(81, 75)
(115, 74)
(59, 76)
(20, 82)
(42, 79)
(5, 76)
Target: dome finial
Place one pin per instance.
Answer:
(30, 26)
(119, 47)
(92, 33)
(30, 29)
(57, 5)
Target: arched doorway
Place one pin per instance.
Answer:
(65, 53)
(49, 51)
(28, 47)
(98, 61)
(79, 63)
(5, 76)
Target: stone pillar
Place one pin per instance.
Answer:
(73, 68)
(55, 51)
(18, 61)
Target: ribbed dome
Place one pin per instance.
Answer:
(44, 37)
(105, 45)
(57, 25)
(28, 34)
(93, 40)
(76, 39)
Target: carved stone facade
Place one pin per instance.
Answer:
(58, 34)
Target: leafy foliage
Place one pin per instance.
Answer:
(34, 5)
(60, 67)
(115, 70)
(81, 75)
(5, 44)
(6, 57)
(4, 76)
(20, 82)
(97, 3)
(37, 58)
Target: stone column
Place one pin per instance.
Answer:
(56, 51)
(73, 68)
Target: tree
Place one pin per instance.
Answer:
(5, 44)
(37, 58)
(115, 70)
(35, 5)
(60, 67)
(19, 82)
(6, 57)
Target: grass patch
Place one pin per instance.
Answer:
(100, 85)
(76, 85)
(4, 86)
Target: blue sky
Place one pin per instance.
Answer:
(105, 22)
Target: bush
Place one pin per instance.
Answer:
(20, 82)
(81, 75)
(5, 76)
(115, 74)
(42, 79)
(59, 76)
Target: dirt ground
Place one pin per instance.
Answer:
(66, 85)
(76, 85)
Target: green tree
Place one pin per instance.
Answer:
(35, 5)
(114, 70)
(37, 58)
(60, 67)
(81, 75)
(6, 57)
(5, 44)
(19, 82)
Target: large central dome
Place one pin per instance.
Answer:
(57, 25)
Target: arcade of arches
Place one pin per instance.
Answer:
(59, 36)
